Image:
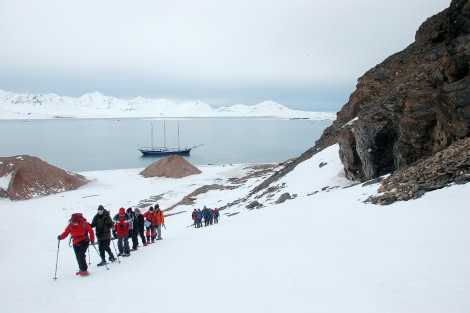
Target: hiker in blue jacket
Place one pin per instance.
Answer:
(206, 215)
(199, 218)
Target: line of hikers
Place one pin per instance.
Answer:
(124, 225)
(210, 216)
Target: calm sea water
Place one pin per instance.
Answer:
(101, 144)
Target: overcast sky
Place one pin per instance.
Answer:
(302, 54)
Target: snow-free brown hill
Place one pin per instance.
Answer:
(173, 166)
(24, 177)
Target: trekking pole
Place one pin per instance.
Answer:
(89, 260)
(107, 268)
(57, 259)
(115, 251)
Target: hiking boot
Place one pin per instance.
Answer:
(126, 254)
(120, 254)
(145, 244)
(112, 259)
(101, 263)
(82, 273)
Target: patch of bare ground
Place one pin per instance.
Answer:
(31, 177)
(173, 166)
(253, 171)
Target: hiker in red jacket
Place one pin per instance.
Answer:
(82, 235)
(151, 225)
(122, 226)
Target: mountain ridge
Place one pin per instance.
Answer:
(97, 105)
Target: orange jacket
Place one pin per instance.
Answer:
(160, 217)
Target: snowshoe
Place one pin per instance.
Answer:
(112, 259)
(101, 263)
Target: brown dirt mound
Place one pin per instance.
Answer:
(24, 177)
(173, 166)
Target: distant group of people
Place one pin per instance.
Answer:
(210, 216)
(124, 225)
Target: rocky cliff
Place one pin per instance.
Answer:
(412, 105)
(408, 116)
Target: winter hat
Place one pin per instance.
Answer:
(156, 206)
(129, 210)
(137, 210)
(101, 208)
(122, 211)
(151, 209)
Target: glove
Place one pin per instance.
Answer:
(114, 234)
(58, 237)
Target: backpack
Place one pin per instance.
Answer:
(78, 217)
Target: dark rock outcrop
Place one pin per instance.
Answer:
(451, 165)
(285, 196)
(25, 177)
(412, 105)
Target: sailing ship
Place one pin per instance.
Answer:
(165, 151)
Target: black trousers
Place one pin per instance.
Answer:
(80, 253)
(142, 236)
(135, 241)
(103, 246)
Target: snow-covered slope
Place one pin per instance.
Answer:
(97, 105)
(323, 251)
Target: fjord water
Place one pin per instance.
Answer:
(80, 145)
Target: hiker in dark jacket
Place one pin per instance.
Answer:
(103, 225)
(133, 232)
(194, 218)
(215, 215)
(206, 214)
(199, 218)
(139, 225)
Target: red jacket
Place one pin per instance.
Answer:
(151, 216)
(80, 232)
(122, 224)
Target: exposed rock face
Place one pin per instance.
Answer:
(173, 166)
(412, 105)
(25, 177)
(451, 165)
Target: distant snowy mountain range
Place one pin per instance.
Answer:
(97, 105)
